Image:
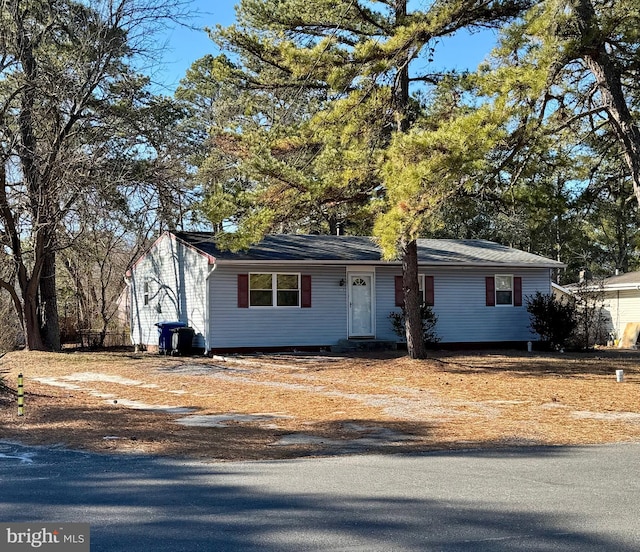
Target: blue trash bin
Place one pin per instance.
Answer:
(165, 335)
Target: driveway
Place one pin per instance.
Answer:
(539, 499)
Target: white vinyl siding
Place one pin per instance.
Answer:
(178, 276)
(621, 307)
(174, 277)
(460, 304)
(324, 323)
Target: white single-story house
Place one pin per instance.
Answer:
(310, 291)
(620, 295)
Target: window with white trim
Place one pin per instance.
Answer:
(274, 290)
(504, 289)
(421, 288)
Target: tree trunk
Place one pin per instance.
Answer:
(624, 127)
(608, 78)
(412, 301)
(25, 293)
(81, 308)
(32, 322)
(49, 303)
(401, 95)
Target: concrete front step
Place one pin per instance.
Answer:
(360, 345)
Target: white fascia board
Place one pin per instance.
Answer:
(601, 289)
(621, 287)
(561, 288)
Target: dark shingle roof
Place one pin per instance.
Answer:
(361, 249)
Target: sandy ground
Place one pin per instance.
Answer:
(283, 406)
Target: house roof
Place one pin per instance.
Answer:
(627, 281)
(620, 282)
(361, 249)
(631, 279)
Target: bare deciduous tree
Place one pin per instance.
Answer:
(67, 94)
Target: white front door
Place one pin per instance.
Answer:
(361, 305)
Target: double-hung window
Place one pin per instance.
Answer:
(504, 289)
(274, 290)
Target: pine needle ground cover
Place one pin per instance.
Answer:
(285, 406)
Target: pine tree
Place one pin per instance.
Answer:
(358, 55)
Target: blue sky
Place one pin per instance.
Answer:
(184, 46)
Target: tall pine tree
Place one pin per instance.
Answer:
(359, 55)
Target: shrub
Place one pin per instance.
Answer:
(593, 324)
(552, 319)
(429, 320)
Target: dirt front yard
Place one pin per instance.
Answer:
(283, 406)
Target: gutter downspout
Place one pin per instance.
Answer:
(619, 330)
(127, 281)
(207, 324)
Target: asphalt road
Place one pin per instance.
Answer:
(539, 499)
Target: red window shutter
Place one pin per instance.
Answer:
(491, 291)
(429, 294)
(243, 291)
(305, 299)
(517, 291)
(399, 292)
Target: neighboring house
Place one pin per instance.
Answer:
(303, 291)
(620, 301)
(561, 293)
